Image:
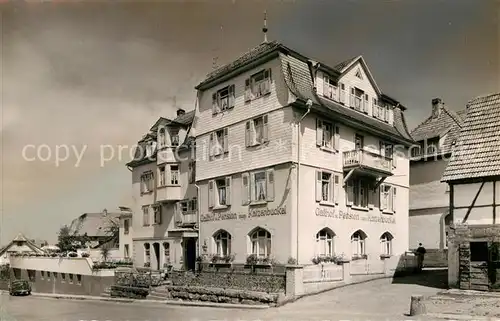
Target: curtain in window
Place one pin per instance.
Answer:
(222, 195)
(260, 186)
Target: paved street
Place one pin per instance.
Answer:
(376, 300)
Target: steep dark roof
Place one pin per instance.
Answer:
(185, 119)
(477, 153)
(340, 67)
(446, 123)
(94, 224)
(26, 246)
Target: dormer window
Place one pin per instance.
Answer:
(258, 85)
(150, 148)
(223, 99)
(161, 137)
(330, 89)
(359, 100)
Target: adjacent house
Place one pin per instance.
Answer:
(297, 159)
(473, 176)
(164, 220)
(436, 137)
(19, 245)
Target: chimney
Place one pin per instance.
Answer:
(105, 212)
(437, 107)
(180, 111)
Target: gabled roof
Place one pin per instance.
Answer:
(26, 246)
(477, 154)
(94, 224)
(341, 67)
(346, 65)
(446, 123)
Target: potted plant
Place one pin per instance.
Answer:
(147, 264)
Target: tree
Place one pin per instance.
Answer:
(105, 252)
(70, 242)
(112, 229)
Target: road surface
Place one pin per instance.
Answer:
(376, 300)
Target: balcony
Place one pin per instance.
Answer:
(368, 163)
(187, 219)
(169, 193)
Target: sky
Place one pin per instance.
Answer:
(100, 74)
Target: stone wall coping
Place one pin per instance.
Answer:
(293, 267)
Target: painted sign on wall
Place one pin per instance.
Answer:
(327, 212)
(242, 216)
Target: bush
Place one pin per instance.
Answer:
(128, 292)
(292, 261)
(85, 254)
(72, 254)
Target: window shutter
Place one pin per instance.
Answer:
(248, 129)
(270, 185)
(231, 96)
(336, 189)
(211, 194)
(248, 90)
(394, 199)
(228, 190)
(319, 132)
(245, 189)
(252, 187)
(225, 141)
(265, 128)
(332, 188)
(215, 106)
(371, 196)
(351, 98)
(365, 104)
(383, 199)
(267, 77)
(211, 145)
(325, 86)
(349, 192)
(337, 138)
(318, 186)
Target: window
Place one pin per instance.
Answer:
(359, 74)
(157, 214)
(70, 278)
(219, 192)
(260, 186)
(145, 215)
(342, 93)
(42, 274)
(192, 172)
(327, 135)
(258, 85)
(78, 279)
(387, 150)
(358, 192)
(222, 243)
(257, 131)
(63, 277)
(357, 98)
(126, 226)
(189, 206)
(166, 252)
(54, 275)
(219, 142)
(223, 99)
(174, 136)
(32, 275)
(327, 187)
(147, 180)
(147, 253)
(150, 148)
(161, 176)
(261, 242)
(126, 251)
(324, 243)
(386, 244)
(432, 146)
(479, 251)
(388, 198)
(330, 90)
(174, 174)
(48, 276)
(358, 244)
(161, 137)
(358, 142)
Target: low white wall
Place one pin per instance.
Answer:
(95, 254)
(73, 265)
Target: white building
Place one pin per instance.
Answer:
(296, 159)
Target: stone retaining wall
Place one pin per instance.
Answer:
(196, 293)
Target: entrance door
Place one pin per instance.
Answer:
(479, 266)
(156, 249)
(190, 253)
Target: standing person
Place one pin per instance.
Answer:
(420, 256)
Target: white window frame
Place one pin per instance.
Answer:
(147, 182)
(387, 150)
(358, 190)
(342, 93)
(258, 85)
(223, 99)
(157, 215)
(175, 177)
(222, 241)
(145, 215)
(162, 176)
(162, 137)
(251, 126)
(358, 244)
(388, 198)
(330, 89)
(327, 135)
(261, 243)
(325, 243)
(218, 142)
(386, 244)
(262, 197)
(221, 192)
(216, 189)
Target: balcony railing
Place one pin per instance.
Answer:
(358, 103)
(366, 159)
(187, 218)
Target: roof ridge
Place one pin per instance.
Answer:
(482, 97)
(422, 123)
(453, 115)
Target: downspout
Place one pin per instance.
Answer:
(198, 217)
(309, 105)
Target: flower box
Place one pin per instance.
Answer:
(384, 256)
(360, 257)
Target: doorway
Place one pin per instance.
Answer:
(190, 253)
(156, 249)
